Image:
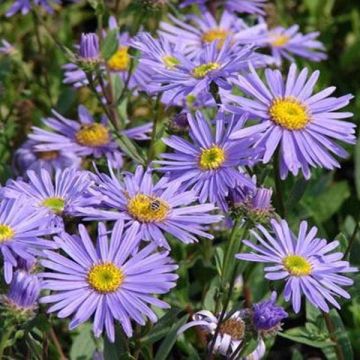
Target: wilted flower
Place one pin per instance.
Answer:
(304, 262)
(113, 280)
(6, 48)
(267, 316)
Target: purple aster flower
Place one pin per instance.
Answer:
(160, 208)
(114, 281)
(24, 6)
(89, 47)
(184, 3)
(267, 316)
(211, 66)
(85, 137)
(304, 125)
(285, 43)
(209, 164)
(20, 233)
(24, 291)
(6, 48)
(56, 196)
(207, 29)
(27, 157)
(246, 6)
(304, 262)
(254, 203)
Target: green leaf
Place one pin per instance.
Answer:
(83, 346)
(302, 336)
(110, 44)
(117, 350)
(162, 327)
(170, 340)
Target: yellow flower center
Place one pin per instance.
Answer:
(279, 40)
(233, 327)
(289, 113)
(215, 34)
(212, 158)
(56, 204)
(201, 71)
(147, 208)
(297, 265)
(47, 155)
(93, 135)
(170, 62)
(105, 278)
(120, 60)
(6, 233)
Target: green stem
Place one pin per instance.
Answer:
(331, 328)
(151, 152)
(278, 187)
(352, 239)
(4, 339)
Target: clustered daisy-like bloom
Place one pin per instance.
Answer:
(112, 281)
(305, 262)
(21, 234)
(24, 6)
(209, 164)
(57, 197)
(158, 209)
(304, 126)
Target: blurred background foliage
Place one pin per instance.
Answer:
(31, 85)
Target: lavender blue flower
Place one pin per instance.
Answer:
(209, 164)
(114, 280)
(194, 76)
(302, 124)
(85, 137)
(267, 316)
(24, 6)
(255, 7)
(184, 3)
(20, 234)
(55, 196)
(89, 47)
(206, 29)
(304, 263)
(27, 157)
(284, 43)
(24, 291)
(159, 209)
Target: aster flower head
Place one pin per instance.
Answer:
(27, 157)
(253, 203)
(85, 137)
(305, 262)
(304, 126)
(56, 196)
(194, 76)
(112, 281)
(255, 7)
(184, 3)
(161, 208)
(209, 163)
(24, 6)
(89, 50)
(20, 234)
(24, 292)
(267, 316)
(205, 29)
(287, 43)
